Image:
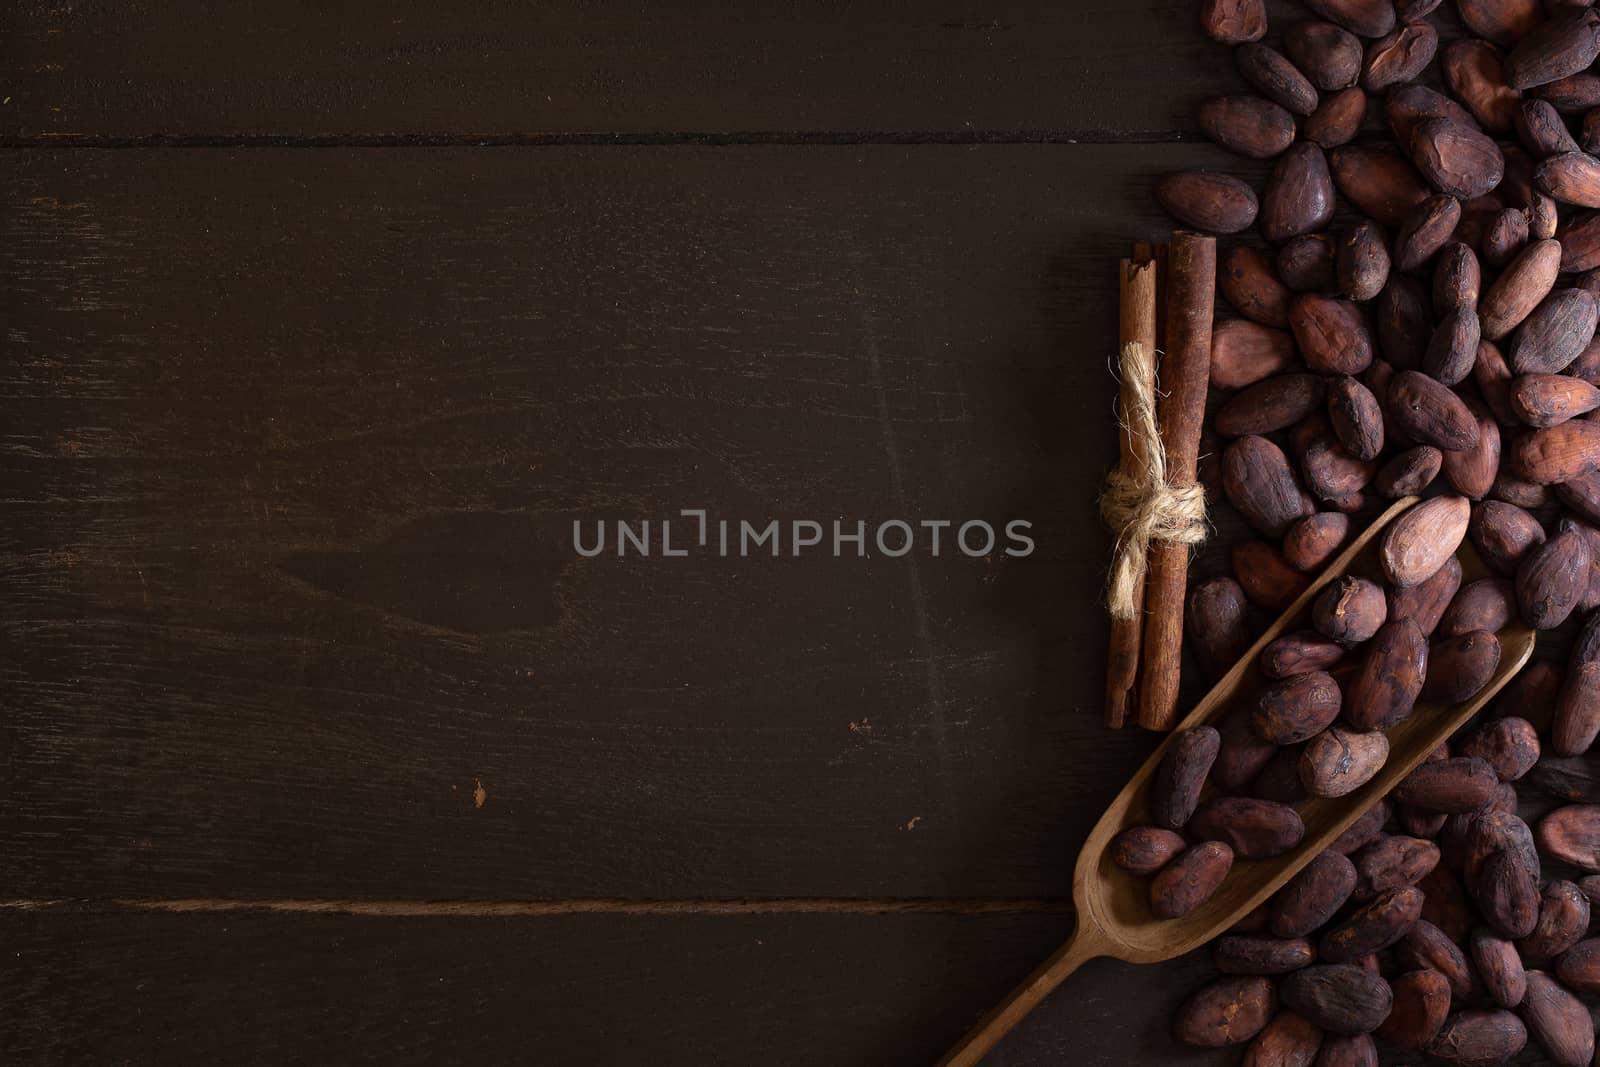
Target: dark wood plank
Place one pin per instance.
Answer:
(293, 445)
(246, 989)
(376, 68)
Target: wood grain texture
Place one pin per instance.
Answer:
(1097, 69)
(108, 986)
(293, 445)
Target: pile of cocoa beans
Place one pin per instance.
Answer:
(1417, 317)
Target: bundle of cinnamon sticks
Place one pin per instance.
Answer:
(1153, 501)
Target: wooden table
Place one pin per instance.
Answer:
(322, 325)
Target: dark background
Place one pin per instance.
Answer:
(322, 322)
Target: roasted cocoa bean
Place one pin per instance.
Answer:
(1564, 45)
(1332, 334)
(1180, 776)
(1190, 879)
(1457, 278)
(1551, 399)
(1427, 947)
(1339, 998)
(1337, 119)
(1418, 543)
(1508, 894)
(1472, 471)
(1558, 454)
(1571, 177)
(1520, 288)
(1505, 22)
(1453, 348)
(1271, 74)
(1144, 849)
(1576, 719)
(1272, 404)
(1361, 262)
(1558, 1021)
(1340, 760)
(1299, 195)
(1445, 903)
(1245, 352)
(1579, 967)
(1287, 1041)
(1328, 56)
(1390, 678)
(1247, 124)
(1429, 413)
(1234, 21)
(1509, 745)
(1378, 181)
(1479, 1038)
(1486, 604)
(1474, 73)
(1458, 784)
(1298, 653)
(1541, 130)
(1306, 263)
(1456, 158)
(1373, 927)
(1506, 236)
(1571, 834)
(1426, 603)
(1399, 56)
(1553, 577)
(1563, 920)
(1310, 543)
(1261, 485)
(1421, 1003)
(1499, 967)
(1366, 827)
(1261, 955)
(1392, 862)
(1349, 609)
(1265, 576)
(1227, 1011)
(1427, 229)
(1312, 896)
(1204, 200)
(1348, 1050)
(1248, 281)
(1242, 754)
(1554, 334)
(1255, 829)
(1408, 473)
(1216, 628)
(1460, 667)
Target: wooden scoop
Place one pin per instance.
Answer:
(1114, 916)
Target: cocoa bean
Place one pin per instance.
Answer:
(1373, 927)
(1541, 129)
(1329, 57)
(1416, 545)
(1332, 334)
(1551, 399)
(1426, 230)
(1458, 784)
(1579, 967)
(1504, 22)
(1287, 1041)
(1245, 352)
(1524, 494)
(1234, 21)
(1479, 1038)
(1339, 998)
(1248, 281)
(1520, 288)
(1571, 834)
(1493, 377)
(1380, 183)
(1364, 829)
(1349, 610)
(1445, 903)
(1580, 242)
(1247, 124)
(1587, 366)
(1306, 263)
(1576, 719)
(1181, 775)
(1392, 862)
(1266, 577)
(1499, 967)
(1227, 1011)
(1564, 45)
(1459, 667)
(1430, 414)
(1390, 678)
(1552, 577)
(1214, 203)
(1217, 629)
(1271, 74)
(1297, 708)
(1242, 754)
(1399, 56)
(1261, 955)
(1337, 119)
(1348, 1050)
(1563, 920)
(1427, 947)
(1312, 896)
(1426, 602)
(1255, 829)
(1582, 495)
(1508, 894)
(1299, 195)
(1144, 849)
(1503, 535)
(1453, 349)
(1472, 471)
(1361, 261)
(1272, 404)
(1364, 18)
(1408, 106)
(1457, 277)
(1486, 604)
(1473, 71)
(1490, 832)
(1456, 158)
(1555, 333)
(1571, 177)
(1574, 93)
(1506, 236)
(1340, 760)
(1404, 321)
(1532, 694)
(1558, 1022)
(1569, 777)
(1558, 454)
(1299, 653)
(1421, 1002)
(1509, 745)
(1314, 540)
(1190, 879)
(1261, 485)
(1408, 473)
(1418, 823)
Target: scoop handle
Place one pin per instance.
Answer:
(1083, 946)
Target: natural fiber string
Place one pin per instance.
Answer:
(1143, 507)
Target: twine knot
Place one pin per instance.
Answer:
(1141, 506)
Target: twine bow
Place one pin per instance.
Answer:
(1141, 506)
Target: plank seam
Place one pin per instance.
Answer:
(556, 908)
(540, 140)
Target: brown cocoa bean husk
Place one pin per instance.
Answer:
(1491, 832)
(1472, 471)
(1228, 1011)
(1299, 653)
(1510, 745)
(1458, 784)
(1332, 334)
(1247, 124)
(1392, 862)
(1582, 495)
(1313, 896)
(1576, 719)
(1269, 405)
(1240, 954)
(1508, 894)
(1520, 288)
(1551, 399)
(1329, 57)
(1379, 182)
(1265, 576)
(1254, 828)
(1340, 998)
(1429, 413)
(1503, 534)
(1408, 473)
(1479, 1038)
(1350, 609)
(1297, 708)
(1408, 106)
(1426, 603)
(1247, 280)
(1242, 754)
(1207, 201)
(1390, 678)
(1475, 75)
(1314, 540)
(1399, 56)
(1306, 263)
(1571, 178)
(1217, 628)
(1428, 947)
(1571, 834)
(1145, 849)
(1181, 776)
(1427, 229)
(1270, 73)
(1485, 604)
(1190, 879)
(1287, 1041)
(1445, 903)
(1506, 236)
(1421, 1003)
(1364, 18)
(1457, 158)
(1453, 349)
(1558, 1022)
(1339, 760)
(1361, 262)
(1505, 22)
(1261, 485)
(1580, 242)
(1541, 129)
(1245, 352)
(1564, 45)
(1543, 217)
(1457, 278)
(1234, 21)
(1563, 920)
(1554, 333)
(1459, 667)
(1572, 94)
(1499, 967)
(1553, 577)
(1579, 967)
(1557, 454)
(1404, 321)
(1337, 119)
(1299, 197)
(1416, 545)
(1348, 1050)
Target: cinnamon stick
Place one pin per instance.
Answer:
(1137, 288)
(1184, 376)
